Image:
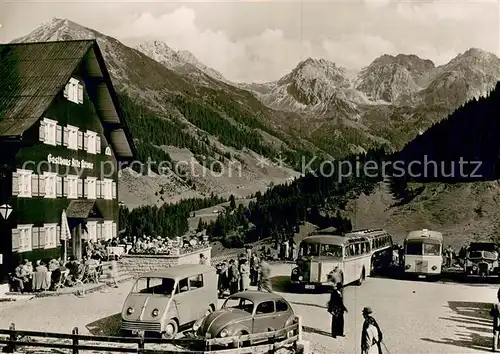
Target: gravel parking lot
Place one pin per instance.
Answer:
(415, 316)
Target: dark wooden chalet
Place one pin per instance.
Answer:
(62, 141)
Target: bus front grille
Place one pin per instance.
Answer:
(421, 266)
(314, 272)
(141, 326)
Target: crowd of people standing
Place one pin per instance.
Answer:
(238, 275)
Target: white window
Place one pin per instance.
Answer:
(72, 182)
(48, 131)
(50, 184)
(107, 230)
(107, 188)
(25, 238)
(90, 187)
(92, 230)
(24, 183)
(74, 91)
(71, 137)
(91, 142)
(50, 236)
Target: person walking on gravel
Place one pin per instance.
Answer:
(495, 313)
(336, 308)
(371, 335)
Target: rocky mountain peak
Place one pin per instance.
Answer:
(180, 60)
(59, 29)
(389, 77)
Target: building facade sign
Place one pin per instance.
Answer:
(58, 160)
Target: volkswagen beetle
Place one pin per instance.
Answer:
(247, 312)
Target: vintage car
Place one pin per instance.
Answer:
(162, 302)
(247, 312)
(482, 259)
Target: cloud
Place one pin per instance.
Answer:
(252, 58)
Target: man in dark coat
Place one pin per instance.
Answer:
(336, 308)
(495, 313)
(234, 277)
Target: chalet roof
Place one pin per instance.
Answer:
(79, 209)
(33, 74)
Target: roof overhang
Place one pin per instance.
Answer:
(107, 106)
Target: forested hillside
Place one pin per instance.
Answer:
(461, 148)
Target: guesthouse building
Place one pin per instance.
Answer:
(62, 141)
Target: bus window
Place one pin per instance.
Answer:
(331, 251)
(309, 249)
(431, 249)
(414, 249)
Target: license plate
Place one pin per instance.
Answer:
(422, 276)
(309, 287)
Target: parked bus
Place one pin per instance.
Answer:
(381, 246)
(320, 253)
(423, 253)
(482, 259)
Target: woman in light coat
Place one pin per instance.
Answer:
(244, 275)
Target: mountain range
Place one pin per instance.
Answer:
(178, 109)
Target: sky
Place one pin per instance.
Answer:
(263, 40)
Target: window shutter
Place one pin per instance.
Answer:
(43, 236)
(99, 231)
(15, 183)
(113, 231)
(41, 132)
(85, 141)
(98, 144)
(65, 136)
(80, 140)
(99, 190)
(35, 237)
(34, 185)
(80, 188)
(59, 191)
(66, 91)
(65, 183)
(15, 240)
(86, 189)
(80, 93)
(41, 186)
(58, 134)
(114, 189)
(58, 235)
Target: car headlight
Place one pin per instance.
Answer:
(130, 310)
(155, 313)
(474, 267)
(197, 324)
(434, 267)
(224, 333)
(407, 266)
(300, 278)
(295, 270)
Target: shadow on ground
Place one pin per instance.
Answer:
(473, 323)
(281, 284)
(107, 326)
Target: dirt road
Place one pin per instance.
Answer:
(416, 317)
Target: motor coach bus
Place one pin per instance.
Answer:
(482, 259)
(319, 254)
(423, 253)
(381, 246)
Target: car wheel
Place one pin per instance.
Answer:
(241, 344)
(171, 330)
